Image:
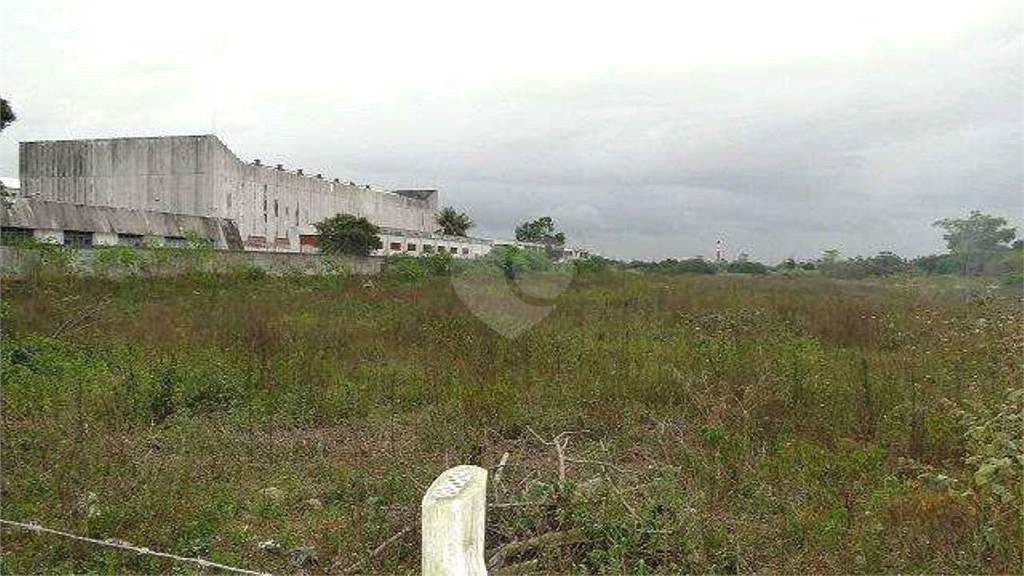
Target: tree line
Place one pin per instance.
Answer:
(979, 245)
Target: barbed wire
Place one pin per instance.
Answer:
(127, 546)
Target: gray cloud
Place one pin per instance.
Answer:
(783, 129)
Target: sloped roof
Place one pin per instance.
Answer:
(420, 194)
(40, 214)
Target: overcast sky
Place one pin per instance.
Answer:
(646, 132)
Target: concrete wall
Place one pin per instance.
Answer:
(104, 239)
(51, 236)
(200, 176)
(281, 262)
(15, 261)
(278, 206)
(172, 174)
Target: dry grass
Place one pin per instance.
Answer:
(733, 424)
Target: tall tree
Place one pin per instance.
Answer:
(347, 234)
(6, 114)
(976, 237)
(452, 222)
(541, 230)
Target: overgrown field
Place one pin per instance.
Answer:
(721, 424)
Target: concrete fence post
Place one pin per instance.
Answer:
(454, 512)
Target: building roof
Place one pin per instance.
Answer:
(420, 194)
(44, 215)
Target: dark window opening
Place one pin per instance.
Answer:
(453, 250)
(465, 251)
(10, 236)
(428, 248)
(395, 246)
(411, 247)
(130, 240)
(175, 242)
(275, 208)
(77, 238)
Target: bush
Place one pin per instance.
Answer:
(695, 266)
(673, 266)
(44, 258)
(591, 266)
(117, 261)
(437, 264)
(347, 234)
(1012, 280)
(514, 260)
(253, 272)
(746, 268)
(939, 264)
(404, 269)
(334, 266)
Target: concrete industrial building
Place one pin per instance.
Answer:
(136, 190)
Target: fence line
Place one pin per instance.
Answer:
(126, 546)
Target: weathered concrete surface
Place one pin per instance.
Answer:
(200, 176)
(17, 262)
(106, 222)
(158, 174)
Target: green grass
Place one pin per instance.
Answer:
(748, 424)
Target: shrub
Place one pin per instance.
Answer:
(254, 272)
(117, 261)
(1012, 280)
(741, 267)
(514, 260)
(335, 266)
(591, 265)
(437, 264)
(348, 234)
(44, 258)
(404, 269)
(672, 266)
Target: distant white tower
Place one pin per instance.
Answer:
(719, 251)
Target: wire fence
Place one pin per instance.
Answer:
(126, 546)
(453, 518)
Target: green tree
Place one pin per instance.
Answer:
(6, 114)
(452, 222)
(347, 234)
(977, 238)
(886, 263)
(541, 230)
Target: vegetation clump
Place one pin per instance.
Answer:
(348, 234)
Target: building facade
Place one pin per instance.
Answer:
(134, 191)
(122, 189)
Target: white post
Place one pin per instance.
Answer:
(454, 517)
